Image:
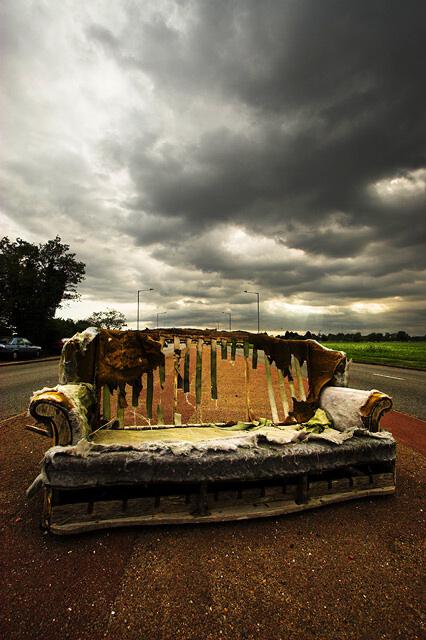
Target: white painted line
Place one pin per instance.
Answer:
(383, 375)
(24, 413)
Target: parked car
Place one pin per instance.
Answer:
(17, 348)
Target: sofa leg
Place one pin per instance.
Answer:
(47, 509)
(302, 490)
(202, 507)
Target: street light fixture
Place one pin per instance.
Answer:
(256, 293)
(161, 313)
(139, 290)
(227, 313)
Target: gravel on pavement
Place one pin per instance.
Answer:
(352, 570)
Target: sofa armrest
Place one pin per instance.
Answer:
(355, 408)
(67, 411)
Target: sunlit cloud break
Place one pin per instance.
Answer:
(203, 148)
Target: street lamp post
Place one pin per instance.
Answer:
(256, 293)
(139, 290)
(161, 313)
(227, 313)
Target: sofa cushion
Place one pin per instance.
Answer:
(91, 464)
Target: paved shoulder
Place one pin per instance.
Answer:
(17, 384)
(406, 429)
(407, 387)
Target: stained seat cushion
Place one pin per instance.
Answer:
(129, 458)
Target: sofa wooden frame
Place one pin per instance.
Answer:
(81, 508)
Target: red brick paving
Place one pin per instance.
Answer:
(406, 429)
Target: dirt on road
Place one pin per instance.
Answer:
(352, 570)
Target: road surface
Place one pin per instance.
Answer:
(18, 381)
(406, 386)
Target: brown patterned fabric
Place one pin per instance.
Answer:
(117, 358)
(124, 356)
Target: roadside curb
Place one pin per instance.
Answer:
(29, 361)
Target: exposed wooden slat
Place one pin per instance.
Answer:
(40, 431)
(199, 373)
(160, 416)
(271, 396)
(178, 355)
(246, 349)
(47, 508)
(254, 358)
(224, 349)
(246, 353)
(186, 366)
(233, 348)
(106, 402)
(136, 390)
(213, 368)
(120, 416)
(295, 383)
(121, 404)
(71, 519)
(299, 378)
(283, 393)
(176, 364)
(172, 426)
(149, 393)
(291, 386)
(162, 368)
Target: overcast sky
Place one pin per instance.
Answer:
(203, 148)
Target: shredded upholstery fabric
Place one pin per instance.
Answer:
(183, 440)
(117, 358)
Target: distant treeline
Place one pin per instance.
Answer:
(399, 336)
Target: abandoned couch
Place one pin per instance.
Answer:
(220, 426)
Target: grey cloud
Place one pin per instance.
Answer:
(341, 69)
(148, 132)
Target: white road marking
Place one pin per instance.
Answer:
(383, 375)
(24, 413)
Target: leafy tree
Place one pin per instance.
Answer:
(109, 319)
(402, 336)
(34, 280)
(59, 328)
(375, 337)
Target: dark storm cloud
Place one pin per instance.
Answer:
(336, 102)
(275, 144)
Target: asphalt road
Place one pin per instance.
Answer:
(18, 381)
(406, 386)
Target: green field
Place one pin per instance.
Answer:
(397, 354)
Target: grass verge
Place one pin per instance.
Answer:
(411, 355)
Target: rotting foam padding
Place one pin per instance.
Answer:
(105, 467)
(78, 401)
(351, 408)
(77, 362)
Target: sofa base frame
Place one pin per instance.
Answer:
(70, 511)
